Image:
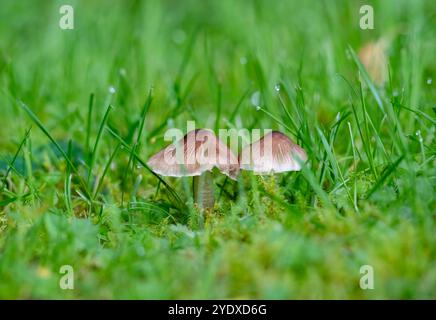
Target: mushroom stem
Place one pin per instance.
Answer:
(203, 190)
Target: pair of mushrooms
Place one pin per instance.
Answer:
(200, 151)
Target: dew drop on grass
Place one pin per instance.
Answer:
(429, 81)
(277, 87)
(418, 133)
(112, 89)
(243, 60)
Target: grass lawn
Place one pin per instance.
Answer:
(83, 109)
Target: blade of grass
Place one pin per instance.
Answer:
(143, 206)
(311, 179)
(419, 112)
(367, 79)
(238, 105)
(129, 168)
(218, 107)
(277, 120)
(89, 124)
(399, 140)
(364, 142)
(328, 149)
(57, 146)
(67, 183)
(354, 164)
(3, 203)
(12, 162)
(106, 168)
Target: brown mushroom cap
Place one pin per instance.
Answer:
(199, 151)
(273, 153)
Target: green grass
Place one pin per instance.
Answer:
(75, 188)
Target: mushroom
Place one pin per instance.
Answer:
(273, 153)
(196, 155)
